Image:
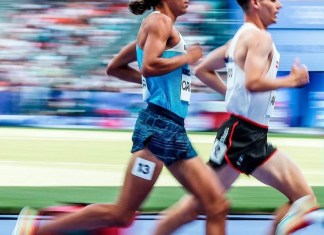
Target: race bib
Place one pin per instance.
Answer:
(218, 152)
(271, 104)
(230, 74)
(143, 168)
(185, 86)
(145, 91)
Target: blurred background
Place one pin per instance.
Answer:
(53, 56)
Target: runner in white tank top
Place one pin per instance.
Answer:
(255, 106)
(241, 146)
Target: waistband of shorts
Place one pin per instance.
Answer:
(165, 113)
(249, 122)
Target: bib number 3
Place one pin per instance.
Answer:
(143, 168)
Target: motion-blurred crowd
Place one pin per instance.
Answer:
(53, 56)
(69, 43)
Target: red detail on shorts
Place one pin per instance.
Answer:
(271, 155)
(229, 145)
(250, 121)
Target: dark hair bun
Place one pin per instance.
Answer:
(138, 7)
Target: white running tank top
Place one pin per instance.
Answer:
(255, 106)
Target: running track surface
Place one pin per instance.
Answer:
(236, 225)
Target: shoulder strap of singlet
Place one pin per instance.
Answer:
(154, 12)
(245, 26)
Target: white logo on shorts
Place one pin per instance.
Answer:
(218, 152)
(225, 134)
(240, 160)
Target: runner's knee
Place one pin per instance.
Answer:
(190, 216)
(120, 218)
(219, 208)
(125, 220)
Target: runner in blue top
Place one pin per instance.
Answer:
(159, 137)
(171, 90)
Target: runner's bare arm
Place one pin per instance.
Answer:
(120, 65)
(155, 44)
(206, 70)
(255, 67)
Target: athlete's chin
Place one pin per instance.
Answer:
(184, 11)
(273, 21)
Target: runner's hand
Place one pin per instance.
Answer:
(299, 74)
(194, 53)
